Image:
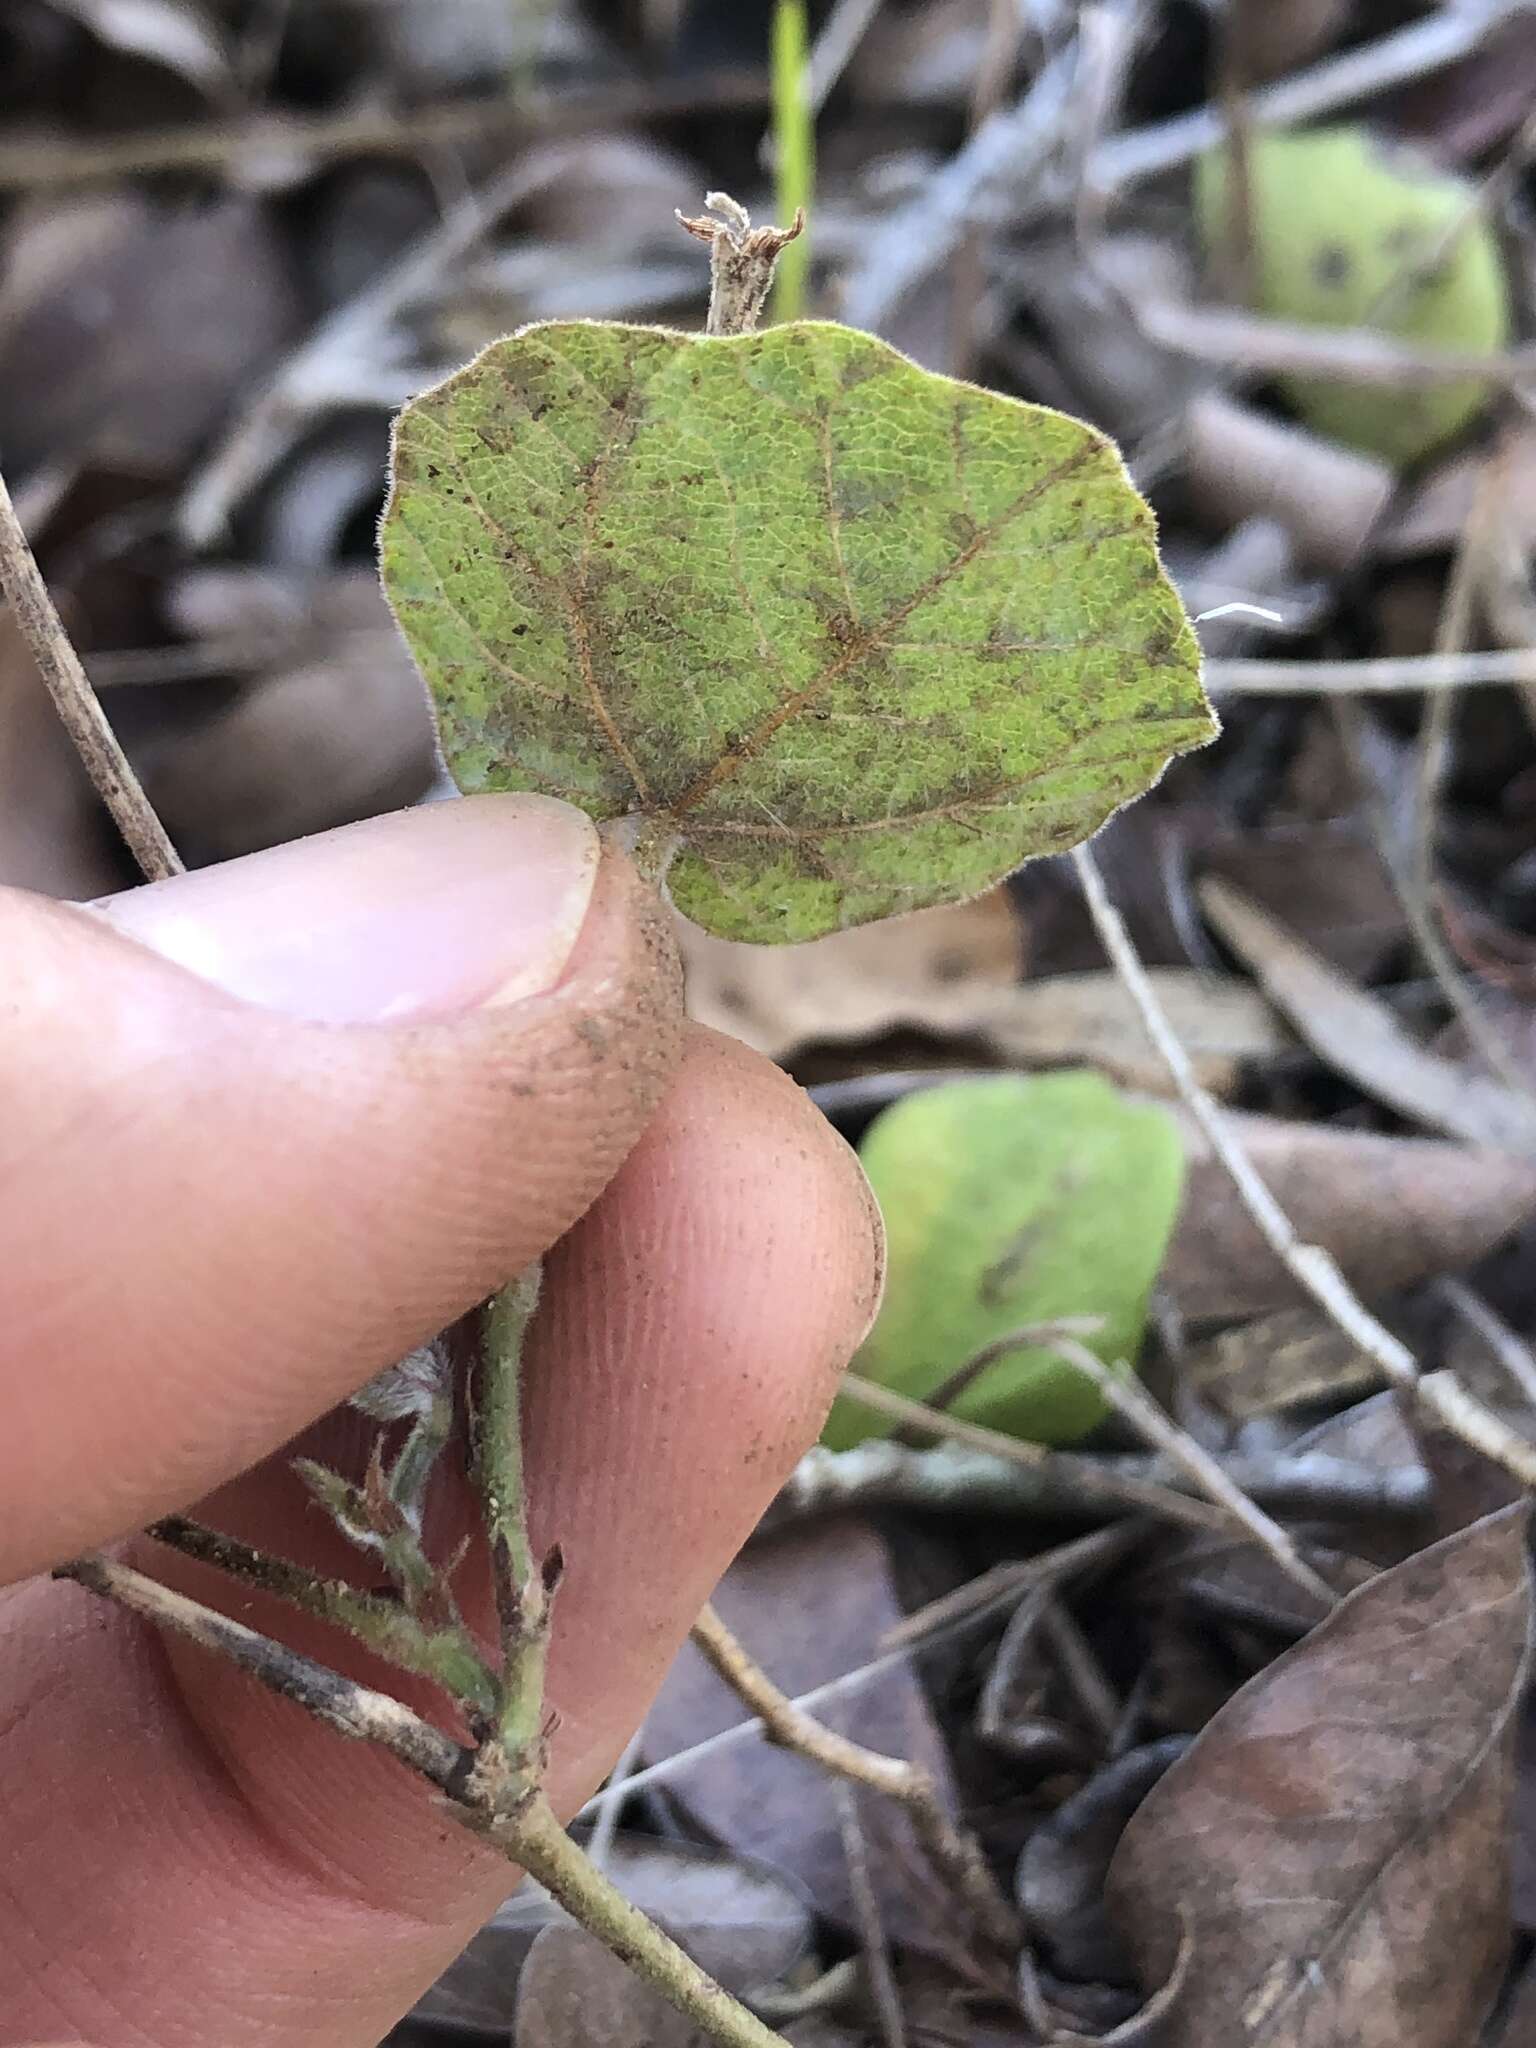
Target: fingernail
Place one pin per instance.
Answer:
(428, 912)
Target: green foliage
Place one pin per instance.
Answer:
(1348, 232)
(856, 637)
(1010, 1201)
(794, 142)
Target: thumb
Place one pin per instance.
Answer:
(271, 1125)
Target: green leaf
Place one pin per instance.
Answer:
(1349, 232)
(856, 637)
(1006, 1202)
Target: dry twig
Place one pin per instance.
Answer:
(1097, 1480)
(76, 702)
(1503, 1343)
(1131, 1401)
(876, 1956)
(1309, 1265)
(953, 1850)
(1244, 678)
(952, 1478)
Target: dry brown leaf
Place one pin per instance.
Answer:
(126, 327)
(928, 969)
(1392, 1211)
(809, 1605)
(1359, 1036)
(1335, 1846)
(1328, 884)
(1279, 1361)
(954, 973)
(339, 730)
(1090, 1020)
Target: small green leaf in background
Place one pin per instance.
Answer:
(1349, 231)
(859, 638)
(1009, 1201)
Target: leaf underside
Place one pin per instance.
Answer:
(857, 637)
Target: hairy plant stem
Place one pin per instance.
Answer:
(521, 1824)
(544, 1849)
(742, 260)
(525, 1585)
(493, 1785)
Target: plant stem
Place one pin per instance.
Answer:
(547, 1853)
(954, 1851)
(515, 1818)
(794, 137)
(524, 1585)
(742, 260)
(342, 1704)
(1311, 1266)
(1129, 1399)
(76, 702)
(448, 1656)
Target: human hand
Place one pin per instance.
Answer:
(265, 1129)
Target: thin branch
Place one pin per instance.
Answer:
(1503, 1343)
(76, 702)
(840, 35)
(527, 1831)
(1411, 876)
(525, 1585)
(952, 1478)
(1314, 1269)
(447, 1655)
(1005, 156)
(953, 1850)
(1247, 344)
(1133, 1404)
(929, 1625)
(1434, 42)
(549, 1855)
(1465, 1416)
(866, 1912)
(1097, 1481)
(1414, 878)
(1082, 1673)
(1383, 673)
(351, 1709)
(304, 384)
(44, 162)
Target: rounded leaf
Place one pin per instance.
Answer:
(1351, 232)
(1009, 1201)
(855, 637)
